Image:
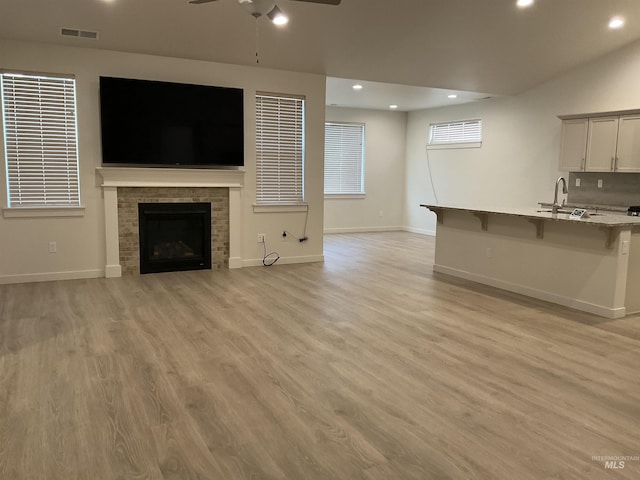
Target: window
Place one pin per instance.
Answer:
(40, 140)
(279, 149)
(343, 159)
(461, 134)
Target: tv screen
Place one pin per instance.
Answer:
(170, 124)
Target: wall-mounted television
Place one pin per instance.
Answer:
(151, 123)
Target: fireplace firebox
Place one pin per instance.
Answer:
(174, 236)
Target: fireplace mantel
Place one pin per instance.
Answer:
(114, 177)
(170, 177)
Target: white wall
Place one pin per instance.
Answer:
(385, 137)
(518, 162)
(81, 241)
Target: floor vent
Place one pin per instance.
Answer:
(73, 32)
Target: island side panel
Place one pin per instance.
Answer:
(632, 299)
(570, 265)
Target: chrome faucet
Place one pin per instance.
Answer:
(556, 206)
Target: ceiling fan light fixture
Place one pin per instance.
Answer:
(277, 16)
(257, 8)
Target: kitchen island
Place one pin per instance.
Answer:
(590, 264)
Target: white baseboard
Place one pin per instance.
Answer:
(113, 271)
(362, 229)
(421, 231)
(601, 310)
(257, 262)
(235, 262)
(50, 277)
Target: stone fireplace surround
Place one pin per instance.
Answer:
(129, 230)
(164, 180)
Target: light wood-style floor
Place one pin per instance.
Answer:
(368, 367)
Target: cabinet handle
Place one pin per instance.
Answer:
(613, 163)
(582, 165)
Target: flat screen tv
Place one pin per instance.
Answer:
(150, 123)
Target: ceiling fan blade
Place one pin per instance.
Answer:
(326, 2)
(198, 2)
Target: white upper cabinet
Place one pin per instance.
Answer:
(601, 145)
(573, 146)
(601, 142)
(628, 153)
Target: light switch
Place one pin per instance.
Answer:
(577, 182)
(599, 183)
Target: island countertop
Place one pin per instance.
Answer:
(610, 220)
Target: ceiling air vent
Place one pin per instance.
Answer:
(74, 32)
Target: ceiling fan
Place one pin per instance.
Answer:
(257, 8)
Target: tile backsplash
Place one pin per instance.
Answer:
(618, 189)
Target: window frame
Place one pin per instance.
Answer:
(48, 150)
(361, 160)
(294, 121)
(457, 138)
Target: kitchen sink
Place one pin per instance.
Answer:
(566, 212)
(548, 210)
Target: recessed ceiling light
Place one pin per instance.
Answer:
(616, 22)
(453, 95)
(524, 3)
(393, 107)
(357, 86)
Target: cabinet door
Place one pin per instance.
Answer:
(601, 147)
(573, 145)
(628, 154)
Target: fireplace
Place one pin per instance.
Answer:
(125, 188)
(174, 236)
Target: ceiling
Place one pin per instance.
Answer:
(487, 46)
(380, 96)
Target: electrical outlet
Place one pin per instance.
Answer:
(261, 238)
(599, 183)
(489, 253)
(53, 247)
(577, 182)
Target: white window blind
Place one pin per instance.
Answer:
(279, 149)
(343, 158)
(466, 131)
(40, 140)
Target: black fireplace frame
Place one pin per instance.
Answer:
(201, 210)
